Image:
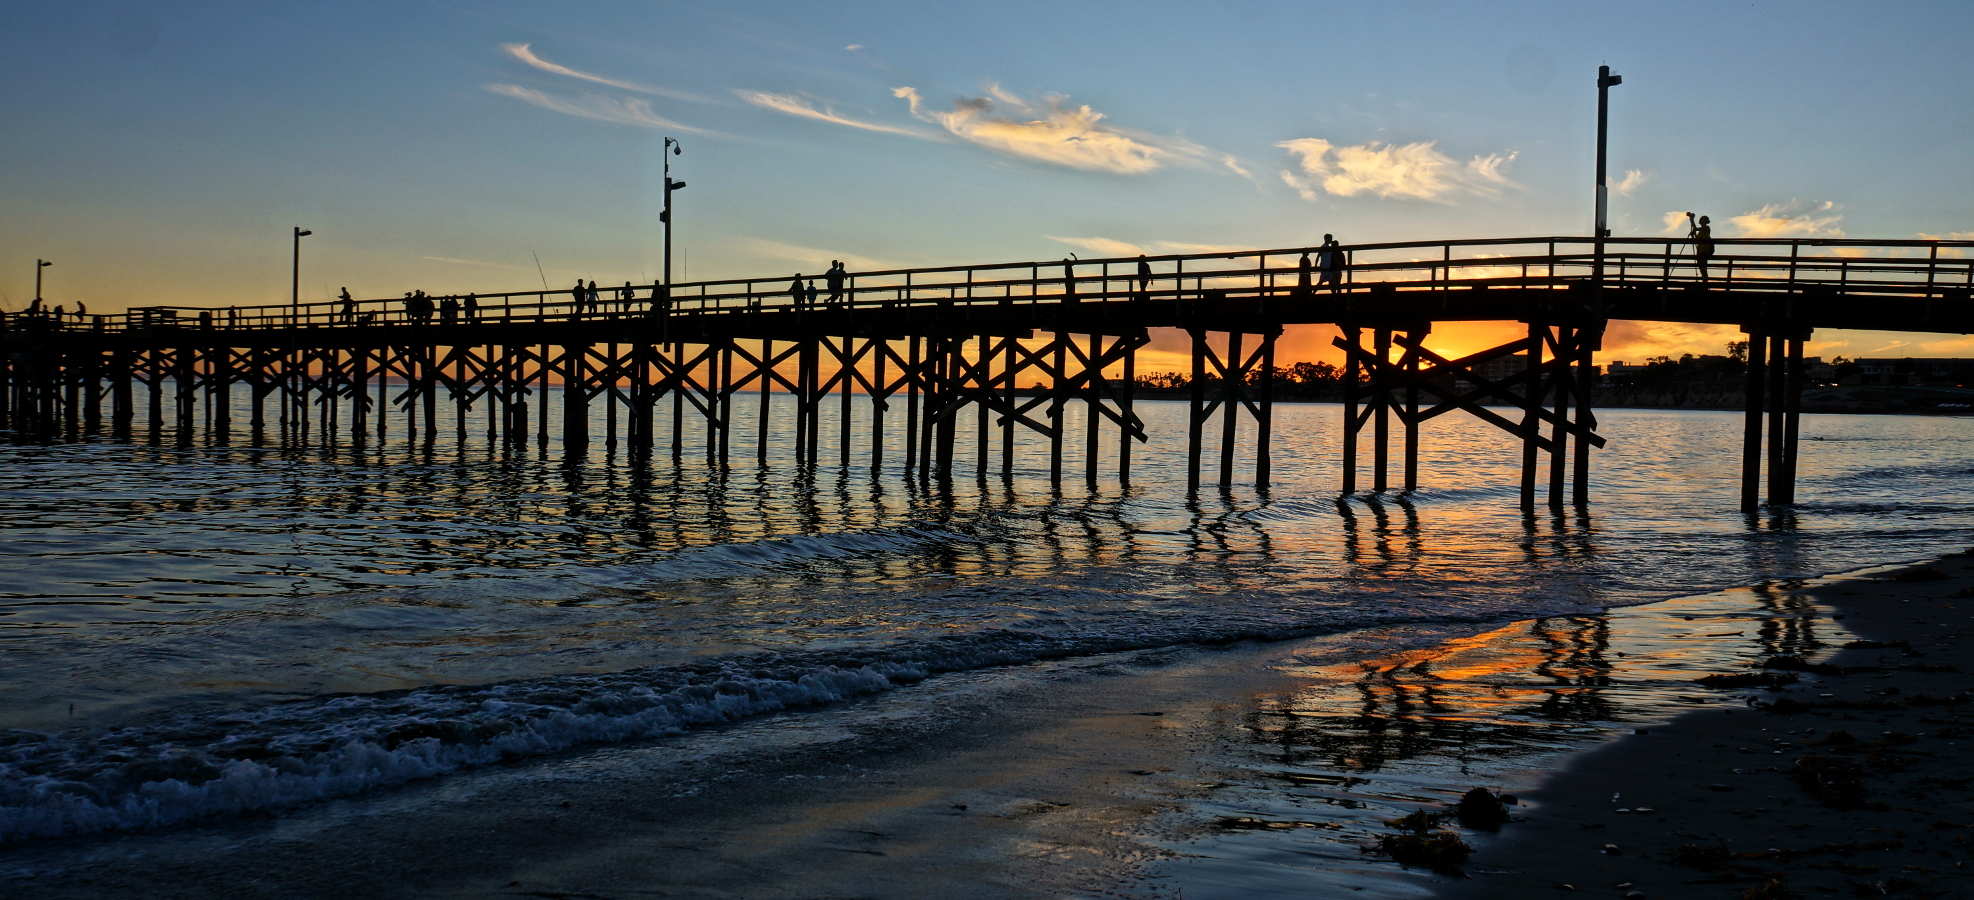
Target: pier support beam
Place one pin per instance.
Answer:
(1773, 389)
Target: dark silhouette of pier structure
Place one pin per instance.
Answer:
(976, 353)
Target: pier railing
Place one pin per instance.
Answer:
(1888, 271)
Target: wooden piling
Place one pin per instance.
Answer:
(1354, 337)
(1751, 429)
(1778, 377)
(1792, 400)
(1531, 427)
(1380, 411)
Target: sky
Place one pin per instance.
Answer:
(161, 152)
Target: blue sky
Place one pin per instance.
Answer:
(159, 152)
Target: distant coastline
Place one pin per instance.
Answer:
(1872, 399)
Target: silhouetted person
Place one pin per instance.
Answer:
(796, 292)
(834, 278)
(1303, 271)
(448, 311)
(472, 307)
(1329, 261)
(812, 293)
(1144, 277)
(1069, 279)
(625, 297)
(1702, 235)
(349, 306)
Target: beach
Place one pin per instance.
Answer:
(1853, 780)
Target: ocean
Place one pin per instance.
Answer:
(195, 630)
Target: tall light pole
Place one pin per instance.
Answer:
(1605, 81)
(1592, 339)
(295, 292)
(39, 264)
(671, 150)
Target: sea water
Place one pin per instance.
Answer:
(193, 628)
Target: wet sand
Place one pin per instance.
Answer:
(1243, 771)
(1731, 806)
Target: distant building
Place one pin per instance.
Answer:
(1501, 368)
(1913, 371)
(1620, 369)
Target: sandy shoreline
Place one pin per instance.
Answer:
(1242, 771)
(1879, 732)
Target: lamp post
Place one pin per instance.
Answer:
(295, 287)
(1605, 81)
(671, 150)
(39, 264)
(1592, 339)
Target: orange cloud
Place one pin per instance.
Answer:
(1052, 133)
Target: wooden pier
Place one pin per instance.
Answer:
(974, 354)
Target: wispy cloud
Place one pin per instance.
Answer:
(1110, 247)
(624, 110)
(526, 55)
(1633, 180)
(1051, 132)
(474, 262)
(1784, 220)
(797, 106)
(1955, 252)
(1676, 222)
(1102, 246)
(1414, 171)
(811, 257)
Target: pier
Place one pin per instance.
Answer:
(953, 360)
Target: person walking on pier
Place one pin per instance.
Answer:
(812, 292)
(1303, 271)
(1329, 260)
(472, 308)
(625, 297)
(834, 278)
(593, 304)
(1144, 278)
(796, 292)
(349, 307)
(1701, 233)
(576, 295)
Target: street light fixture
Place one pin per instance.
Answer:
(295, 287)
(671, 150)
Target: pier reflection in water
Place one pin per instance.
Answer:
(1308, 775)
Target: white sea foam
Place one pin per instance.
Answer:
(198, 765)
